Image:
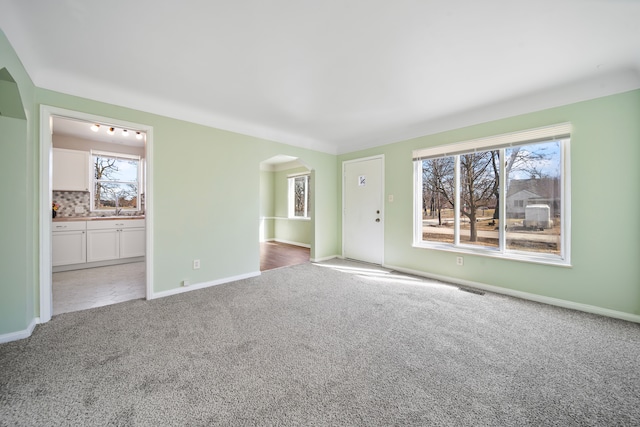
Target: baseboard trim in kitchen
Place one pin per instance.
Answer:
(94, 264)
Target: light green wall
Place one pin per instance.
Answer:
(267, 203)
(289, 230)
(605, 149)
(18, 252)
(274, 205)
(206, 197)
(206, 194)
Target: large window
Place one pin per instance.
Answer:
(116, 182)
(299, 196)
(504, 195)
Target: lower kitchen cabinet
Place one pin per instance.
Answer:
(115, 239)
(103, 245)
(68, 243)
(132, 242)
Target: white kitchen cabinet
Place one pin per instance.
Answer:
(103, 245)
(132, 242)
(68, 243)
(115, 239)
(70, 170)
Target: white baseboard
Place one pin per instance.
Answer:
(19, 335)
(524, 295)
(289, 242)
(326, 258)
(94, 264)
(203, 285)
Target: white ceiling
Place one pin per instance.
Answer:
(331, 75)
(81, 129)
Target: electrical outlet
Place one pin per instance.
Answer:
(196, 264)
(459, 260)
(186, 283)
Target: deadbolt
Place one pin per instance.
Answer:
(377, 212)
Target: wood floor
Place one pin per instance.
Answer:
(276, 254)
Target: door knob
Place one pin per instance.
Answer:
(377, 219)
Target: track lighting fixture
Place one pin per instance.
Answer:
(112, 130)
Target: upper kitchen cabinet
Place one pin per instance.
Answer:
(70, 170)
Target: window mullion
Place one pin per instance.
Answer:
(502, 202)
(306, 195)
(418, 201)
(456, 207)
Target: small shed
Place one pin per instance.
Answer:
(537, 216)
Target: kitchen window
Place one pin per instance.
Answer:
(299, 196)
(116, 182)
(504, 196)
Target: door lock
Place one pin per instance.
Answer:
(377, 219)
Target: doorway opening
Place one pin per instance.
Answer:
(286, 212)
(96, 263)
(95, 247)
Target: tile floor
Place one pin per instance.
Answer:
(94, 287)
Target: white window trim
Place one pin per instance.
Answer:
(556, 132)
(290, 196)
(122, 156)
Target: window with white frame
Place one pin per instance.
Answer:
(505, 195)
(116, 181)
(299, 196)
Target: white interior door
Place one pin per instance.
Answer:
(363, 229)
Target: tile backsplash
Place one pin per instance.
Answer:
(69, 200)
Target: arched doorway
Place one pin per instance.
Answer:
(286, 212)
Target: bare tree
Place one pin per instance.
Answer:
(477, 186)
(479, 180)
(477, 183)
(517, 159)
(437, 185)
(103, 168)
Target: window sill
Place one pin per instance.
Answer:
(495, 253)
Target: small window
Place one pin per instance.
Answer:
(503, 196)
(299, 196)
(116, 182)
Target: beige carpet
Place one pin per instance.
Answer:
(334, 344)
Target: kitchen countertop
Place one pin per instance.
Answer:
(95, 218)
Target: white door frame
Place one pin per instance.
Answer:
(46, 144)
(382, 181)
